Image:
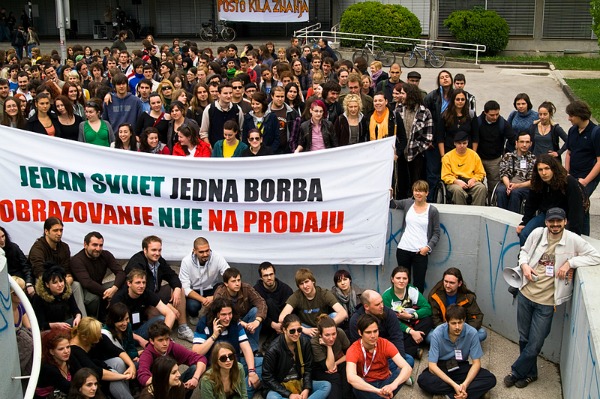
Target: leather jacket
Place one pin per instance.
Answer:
(278, 361)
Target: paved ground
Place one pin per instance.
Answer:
(501, 83)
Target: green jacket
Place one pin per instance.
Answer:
(414, 297)
(207, 390)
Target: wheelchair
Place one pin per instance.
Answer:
(493, 200)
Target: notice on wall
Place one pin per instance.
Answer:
(263, 10)
(322, 207)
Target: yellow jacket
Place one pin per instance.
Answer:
(466, 166)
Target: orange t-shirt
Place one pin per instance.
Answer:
(379, 369)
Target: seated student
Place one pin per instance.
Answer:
(329, 357)
(275, 293)
(118, 329)
(90, 349)
(85, 385)
(157, 270)
(516, 169)
(367, 363)
(347, 294)
(166, 381)
(160, 344)
(138, 300)
(449, 372)
(225, 378)
(463, 172)
(53, 302)
(452, 290)
(221, 325)
(288, 363)
(309, 301)
(411, 308)
(55, 372)
(248, 305)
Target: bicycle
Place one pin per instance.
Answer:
(225, 32)
(371, 51)
(435, 58)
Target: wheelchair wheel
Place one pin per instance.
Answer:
(441, 193)
(493, 199)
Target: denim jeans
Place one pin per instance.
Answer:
(257, 367)
(188, 374)
(192, 306)
(589, 190)
(370, 395)
(513, 201)
(252, 337)
(534, 223)
(320, 391)
(118, 389)
(534, 322)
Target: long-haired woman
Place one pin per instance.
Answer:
(118, 329)
(69, 121)
(260, 118)
(43, 121)
(95, 130)
(151, 144)
(454, 119)
(156, 117)
(351, 127)
(13, 117)
(545, 134)
(125, 139)
(225, 378)
(55, 372)
(165, 381)
(418, 124)
(551, 186)
(85, 385)
(288, 364)
(200, 100)
(190, 145)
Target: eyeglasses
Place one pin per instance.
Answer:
(293, 331)
(253, 138)
(460, 99)
(227, 358)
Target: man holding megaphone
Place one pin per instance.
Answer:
(545, 266)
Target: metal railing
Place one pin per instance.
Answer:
(312, 33)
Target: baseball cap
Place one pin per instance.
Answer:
(555, 213)
(461, 136)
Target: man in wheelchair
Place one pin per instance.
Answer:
(463, 173)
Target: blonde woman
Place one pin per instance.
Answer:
(350, 127)
(377, 73)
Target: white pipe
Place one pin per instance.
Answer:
(37, 339)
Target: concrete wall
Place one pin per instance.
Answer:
(481, 241)
(9, 388)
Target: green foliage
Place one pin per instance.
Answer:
(595, 11)
(479, 26)
(374, 18)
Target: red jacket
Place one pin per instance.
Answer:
(202, 150)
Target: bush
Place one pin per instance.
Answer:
(595, 11)
(374, 18)
(479, 26)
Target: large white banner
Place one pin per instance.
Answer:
(324, 207)
(263, 10)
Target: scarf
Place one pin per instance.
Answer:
(378, 125)
(347, 301)
(374, 78)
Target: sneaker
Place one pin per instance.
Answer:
(409, 382)
(525, 382)
(509, 380)
(487, 395)
(186, 333)
(194, 320)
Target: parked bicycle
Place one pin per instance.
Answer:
(222, 30)
(372, 52)
(435, 58)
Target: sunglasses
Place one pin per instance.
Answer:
(238, 87)
(253, 138)
(293, 331)
(227, 358)
(165, 88)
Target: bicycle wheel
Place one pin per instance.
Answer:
(387, 58)
(228, 34)
(437, 59)
(409, 59)
(206, 34)
(361, 53)
(130, 35)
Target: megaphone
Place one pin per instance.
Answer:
(513, 276)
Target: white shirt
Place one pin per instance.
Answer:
(194, 276)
